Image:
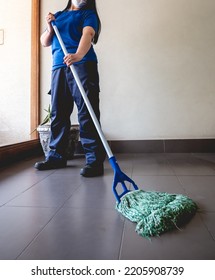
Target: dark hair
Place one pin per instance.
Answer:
(90, 5)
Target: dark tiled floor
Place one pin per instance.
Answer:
(60, 215)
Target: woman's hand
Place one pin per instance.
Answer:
(71, 58)
(49, 18)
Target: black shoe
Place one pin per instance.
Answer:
(92, 170)
(50, 164)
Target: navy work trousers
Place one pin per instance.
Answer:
(64, 92)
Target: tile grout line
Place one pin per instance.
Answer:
(122, 239)
(22, 192)
(206, 227)
(55, 213)
(124, 223)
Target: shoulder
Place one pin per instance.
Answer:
(89, 16)
(88, 13)
(57, 14)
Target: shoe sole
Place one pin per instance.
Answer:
(90, 174)
(43, 168)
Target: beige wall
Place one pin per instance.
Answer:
(157, 65)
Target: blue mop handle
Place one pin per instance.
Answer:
(84, 95)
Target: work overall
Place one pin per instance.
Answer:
(64, 92)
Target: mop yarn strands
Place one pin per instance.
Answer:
(156, 212)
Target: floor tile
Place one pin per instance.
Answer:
(19, 226)
(192, 166)
(93, 193)
(191, 243)
(73, 167)
(79, 234)
(205, 156)
(20, 166)
(209, 221)
(151, 165)
(142, 157)
(14, 184)
(53, 191)
(201, 189)
(184, 156)
(168, 184)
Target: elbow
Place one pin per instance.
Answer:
(44, 43)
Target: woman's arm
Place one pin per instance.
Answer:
(83, 47)
(46, 37)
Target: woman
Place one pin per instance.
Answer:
(79, 26)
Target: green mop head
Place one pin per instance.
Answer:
(156, 212)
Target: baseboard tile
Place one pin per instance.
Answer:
(164, 146)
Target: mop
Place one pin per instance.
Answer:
(154, 212)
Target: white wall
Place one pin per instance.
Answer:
(157, 65)
(15, 71)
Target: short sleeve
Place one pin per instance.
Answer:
(90, 19)
(57, 14)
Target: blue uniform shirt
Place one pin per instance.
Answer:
(70, 25)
